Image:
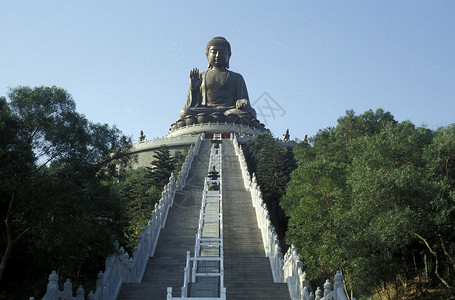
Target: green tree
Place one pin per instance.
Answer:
(374, 198)
(315, 197)
(139, 197)
(389, 196)
(272, 163)
(318, 195)
(141, 190)
(436, 233)
(162, 166)
(53, 162)
(179, 159)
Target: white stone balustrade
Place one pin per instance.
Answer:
(66, 294)
(269, 236)
(181, 179)
(120, 267)
(288, 268)
(161, 141)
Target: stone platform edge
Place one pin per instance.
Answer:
(215, 128)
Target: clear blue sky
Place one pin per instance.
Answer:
(127, 62)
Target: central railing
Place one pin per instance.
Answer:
(204, 271)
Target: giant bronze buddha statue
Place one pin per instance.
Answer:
(217, 95)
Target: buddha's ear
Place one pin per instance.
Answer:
(209, 66)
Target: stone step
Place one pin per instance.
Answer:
(275, 291)
(205, 287)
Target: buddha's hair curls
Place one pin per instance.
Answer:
(218, 41)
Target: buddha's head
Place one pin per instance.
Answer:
(218, 52)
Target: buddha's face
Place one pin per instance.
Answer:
(218, 56)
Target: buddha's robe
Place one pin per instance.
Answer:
(218, 96)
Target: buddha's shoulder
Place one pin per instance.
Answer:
(231, 74)
(235, 75)
(229, 71)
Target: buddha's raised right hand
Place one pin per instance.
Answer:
(195, 79)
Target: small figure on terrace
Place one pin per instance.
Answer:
(286, 136)
(305, 140)
(217, 95)
(141, 136)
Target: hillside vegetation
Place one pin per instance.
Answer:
(371, 197)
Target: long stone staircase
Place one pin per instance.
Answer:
(247, 270)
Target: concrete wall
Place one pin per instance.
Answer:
(146, 149)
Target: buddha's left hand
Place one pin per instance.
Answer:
(241, 104)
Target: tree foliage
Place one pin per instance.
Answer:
(139, 196)
(141, 190)
(56, 211)
(374, 198)
(272, 163)
(162, 166)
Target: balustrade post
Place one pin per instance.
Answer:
(153, 220)
(319, 294)
(223, 293)
(91, 296)
(122, 265)
(327, 288)
(164, 212)
(288, 270)
(53, 282)
(169, 293)
(68, 289)
(312, 296)
(157, 214)
(338, 281)
(120, 262)
(138, 249)
(126, 265)
(131, 267)
(100, 284)
(80, 293)
(281, 265)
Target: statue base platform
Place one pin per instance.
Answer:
(210, 128)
